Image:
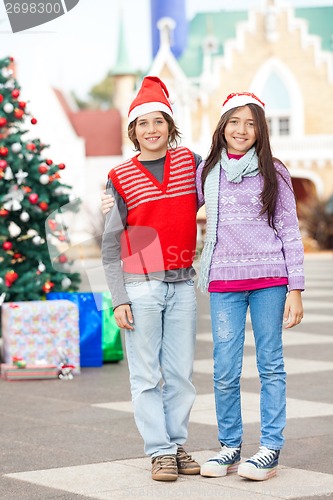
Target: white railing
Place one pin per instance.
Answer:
(308, 148)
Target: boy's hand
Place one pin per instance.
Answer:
(123, 317)
(107, 202)
(293, 310)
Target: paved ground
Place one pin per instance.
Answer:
(77, 439)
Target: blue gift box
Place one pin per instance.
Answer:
(90, 324)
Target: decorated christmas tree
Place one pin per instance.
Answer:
(31, 191)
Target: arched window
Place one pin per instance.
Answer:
(278, 111)
(278, 87)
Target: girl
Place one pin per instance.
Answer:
(253, 254)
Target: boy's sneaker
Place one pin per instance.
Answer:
(261, 466)
(185, 463)
(225, 462)
(164, 468)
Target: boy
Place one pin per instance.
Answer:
(148, 249)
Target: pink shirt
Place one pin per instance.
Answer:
(245, 285)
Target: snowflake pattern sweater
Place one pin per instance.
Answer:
(247, 247)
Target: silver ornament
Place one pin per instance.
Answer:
(44, 179)
(24, 216)
(16, 147)
(20, 176)
(66, 282)
(41, 267)
(36, 240)
(8, 107)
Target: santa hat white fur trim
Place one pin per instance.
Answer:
(237, 100)
(148, 107)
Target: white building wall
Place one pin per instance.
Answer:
(54, 128)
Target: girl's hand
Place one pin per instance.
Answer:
(293, 310)
(107, 202)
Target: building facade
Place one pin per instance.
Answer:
(283, 55)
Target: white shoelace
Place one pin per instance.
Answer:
(264, 456)
(226, 454)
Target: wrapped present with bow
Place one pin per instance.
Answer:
(35, 331)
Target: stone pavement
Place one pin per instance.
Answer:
(77, 439)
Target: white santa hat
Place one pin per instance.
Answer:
(152, 96)
(241, 99)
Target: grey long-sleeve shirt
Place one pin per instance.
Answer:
(116, 221)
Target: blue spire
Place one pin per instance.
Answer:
(177, 11)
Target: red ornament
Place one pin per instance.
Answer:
(3, 164)
(17, 255)
(61, 166)
(18, 113)
(27, 189)
(7, 245)
(10, 278)
(15, 93)
(48, 162)
(42, 169)
(47, 287)
(43, 205)
(3, 151)
(22, 104)
(33, 198)
(3, 212)
(31, 146)
(62, 259)
(33, 121)
(3, 121)
(54, 176)
(1, 98)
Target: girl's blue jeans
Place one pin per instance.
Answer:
(228, 312)
(160, 353)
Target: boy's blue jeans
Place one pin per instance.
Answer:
(161, 347)
(228, 311)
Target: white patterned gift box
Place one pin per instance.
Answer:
(37, 330)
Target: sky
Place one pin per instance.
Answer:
(75, 51)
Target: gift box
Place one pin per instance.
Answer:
(100, 338)
(89, 307)
(111, 339)
(30, 372)
(38, 331)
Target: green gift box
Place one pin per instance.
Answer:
(111, 340)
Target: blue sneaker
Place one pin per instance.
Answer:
(262, 466)
(225, 462)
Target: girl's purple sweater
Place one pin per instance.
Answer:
(247, 247)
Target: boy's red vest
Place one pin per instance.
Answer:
(161, 223)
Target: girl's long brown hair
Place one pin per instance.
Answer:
(262, 146)
(174, 133)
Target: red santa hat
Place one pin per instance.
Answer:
(152, 96)
(241, 99)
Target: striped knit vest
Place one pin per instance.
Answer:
(161, 223)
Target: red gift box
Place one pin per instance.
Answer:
(30, 372)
